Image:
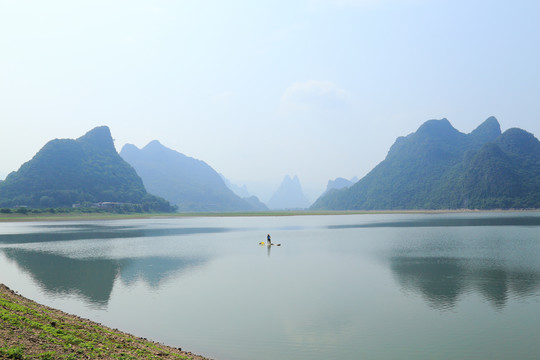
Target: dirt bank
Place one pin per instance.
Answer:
(29, 330)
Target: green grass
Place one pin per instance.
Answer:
(78, 339)
(15, 352)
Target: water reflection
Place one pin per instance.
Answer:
(93, 278)
(92, 275)
(442, 281)
(153, 270)
(444, 220)
(90, 231)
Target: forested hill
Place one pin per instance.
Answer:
(86, 170)
(188, 183)
(438, 167)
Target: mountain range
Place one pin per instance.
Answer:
(86, 170)
(188, 183)
(438, 167)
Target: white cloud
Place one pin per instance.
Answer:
(314, 94)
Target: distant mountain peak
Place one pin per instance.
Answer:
(492, 119)
(340, 183)
(291, 179)
(437, 128)
(153, 144)
(99, 137)
(289, 195)
(98, 132)
(241, 191)
(489, 130)
(520, 143)
(129, 148)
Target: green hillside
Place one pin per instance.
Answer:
(438, 167)
(86, 170)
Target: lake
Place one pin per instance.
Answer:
(375, 286)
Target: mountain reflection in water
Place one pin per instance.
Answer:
(381, 286)
(89, 275)
(93, 279)
(52, 233)
(441, 281)
(448, 221)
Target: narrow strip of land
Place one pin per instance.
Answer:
(60, 216)
(29, 330)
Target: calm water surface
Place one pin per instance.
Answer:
(437, 286)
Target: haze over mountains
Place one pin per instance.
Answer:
(241, 191)
(438, 167)
(340, 183)
(188, 183)
(289, 195)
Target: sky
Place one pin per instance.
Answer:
(262, 89)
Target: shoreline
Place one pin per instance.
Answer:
(29, 330)
(113, 216)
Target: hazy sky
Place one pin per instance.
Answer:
(260, 89)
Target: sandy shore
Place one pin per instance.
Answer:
(29, 330)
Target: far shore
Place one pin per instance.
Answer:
(59, 216)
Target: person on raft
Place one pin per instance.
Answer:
(268, 239)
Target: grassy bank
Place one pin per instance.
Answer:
(60, 216)
(32, 331)
(75, 216)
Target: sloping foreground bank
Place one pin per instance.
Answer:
(29, 330)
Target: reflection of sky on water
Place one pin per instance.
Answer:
(154, 270)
